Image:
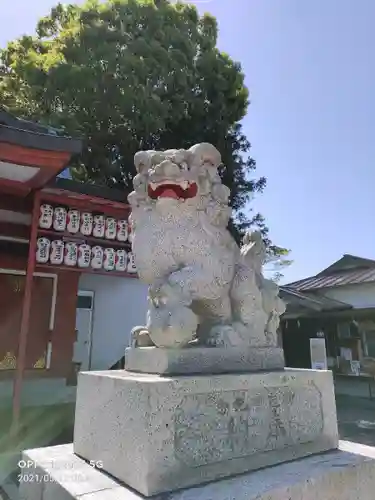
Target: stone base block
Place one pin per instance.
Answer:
(205, 360)
(158, 434)
(344, 474)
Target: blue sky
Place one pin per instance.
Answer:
(310, 69)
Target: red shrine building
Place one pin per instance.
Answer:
(68, 289)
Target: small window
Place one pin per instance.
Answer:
(343, 331)
(84, 302)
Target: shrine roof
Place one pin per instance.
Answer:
(24, 133)
(31, 154)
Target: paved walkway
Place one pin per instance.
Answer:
(356, 418)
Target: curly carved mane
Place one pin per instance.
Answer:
(198, 165)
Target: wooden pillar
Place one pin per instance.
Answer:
(25, 318)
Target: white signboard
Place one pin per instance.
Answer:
(318, 354)
(346, 353)
(355, 367)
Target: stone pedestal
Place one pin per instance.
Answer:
(203, 360)
(344, 474)
(158, 434)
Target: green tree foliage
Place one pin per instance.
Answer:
(135, 74)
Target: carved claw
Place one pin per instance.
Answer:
(140, 337)
(223, 336)
(212, 342)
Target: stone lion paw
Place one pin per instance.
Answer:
(223, 336)
(140, 337)
(172, 326)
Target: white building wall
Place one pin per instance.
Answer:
(119, 305)
(359, 296)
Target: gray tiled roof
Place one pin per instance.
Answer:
(349, 270)
(310, 301)
(336, 279)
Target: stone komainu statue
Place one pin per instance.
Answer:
(203, 288)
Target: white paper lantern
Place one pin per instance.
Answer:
(97, 257)
(73, 221)
(46, 216)
(109, 259)
(43, 246)
(59, 219)
(99, 226)
(87, 222)
(121, 259)
(70, 254)
(131, 267)
(122, 230)
(57, 252)
(84, 255)
(110, 228)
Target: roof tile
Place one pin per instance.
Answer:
(337, 279)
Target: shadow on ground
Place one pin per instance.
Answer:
(39, 426)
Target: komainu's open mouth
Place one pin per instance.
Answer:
(177, 190)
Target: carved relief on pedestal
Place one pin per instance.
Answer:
(225, 425)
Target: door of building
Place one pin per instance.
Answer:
(12, 287)
(83, 344)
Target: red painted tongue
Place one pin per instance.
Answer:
(169, 193)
